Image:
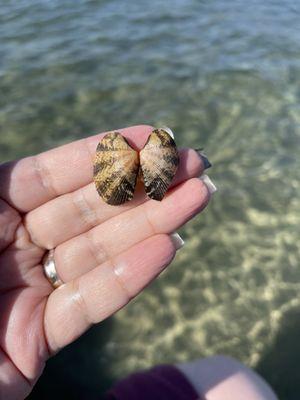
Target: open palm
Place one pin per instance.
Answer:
(105, 255)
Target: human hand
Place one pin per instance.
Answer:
(105, 255)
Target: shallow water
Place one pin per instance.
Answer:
(223, 75)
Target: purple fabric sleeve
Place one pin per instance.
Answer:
(163, 382)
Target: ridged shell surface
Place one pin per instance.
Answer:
(116, 167)
(159, 161)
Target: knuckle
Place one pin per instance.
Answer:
(151, 225)
(121, 284)
(86, 213)
(43, 176)
(80, 303)
(96, 248)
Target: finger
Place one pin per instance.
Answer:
(84, 252)
(223, 377)
(13, 385)
(9, 221)
(74, 213)
(31, 181)
(91, 298)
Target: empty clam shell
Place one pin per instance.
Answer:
(158, 162)
(117, 166)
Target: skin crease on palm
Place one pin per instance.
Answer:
(105, 255)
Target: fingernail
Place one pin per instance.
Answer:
(170, 132)
(208, 182)
(204, 159)
(177, 240)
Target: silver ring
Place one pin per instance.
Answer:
(50, 270)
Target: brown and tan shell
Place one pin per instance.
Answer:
(158, 161)
(117, 166)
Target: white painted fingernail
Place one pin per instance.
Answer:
(170, 132)
(208, 182)
(177, 240)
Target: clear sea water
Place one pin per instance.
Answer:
(224, 75)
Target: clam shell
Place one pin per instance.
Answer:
(158, 161)
(117, 166)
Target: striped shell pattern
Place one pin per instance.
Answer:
(117, 166)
